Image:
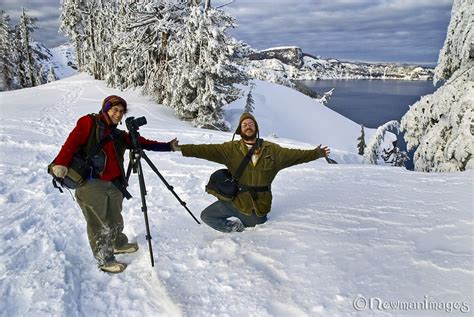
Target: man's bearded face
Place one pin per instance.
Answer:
(248, 130)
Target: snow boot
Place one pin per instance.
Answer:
(235, 226)
(126, 248)
(113, 267)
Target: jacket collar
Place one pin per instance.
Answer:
(244, 149)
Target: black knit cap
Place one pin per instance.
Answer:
(111, 101)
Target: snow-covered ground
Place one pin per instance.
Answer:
(338, 236)
(63, 57)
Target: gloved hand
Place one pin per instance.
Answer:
(60, 171)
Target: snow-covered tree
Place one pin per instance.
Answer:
(326, 96)
(459, 43)
(72, 27)
(399, 158)
(373, 150)
(394, 156)
(152, 28)
(439, 126)
(51, 74)
(361, 145)
(92, 16)
(29, 69)
(177, 50)
(249, 103)
(202, 68)
(8, 55)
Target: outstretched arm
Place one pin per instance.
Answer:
(290, 157)
(151, 145)
(219, 153)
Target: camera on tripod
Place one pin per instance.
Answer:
(136, 154)
(134, 124)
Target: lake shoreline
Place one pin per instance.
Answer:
(372, 103)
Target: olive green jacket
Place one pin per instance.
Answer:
(272, 159)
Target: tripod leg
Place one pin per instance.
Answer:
(153, 167)
(141, 180)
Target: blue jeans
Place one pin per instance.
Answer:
(216, 214)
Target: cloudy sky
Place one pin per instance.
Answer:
(355, 30)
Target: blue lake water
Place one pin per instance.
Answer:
(373, 102)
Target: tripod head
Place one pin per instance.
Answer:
(133, 125)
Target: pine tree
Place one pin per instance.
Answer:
(249, 103)
(202, 68)
(91, 15)
(361, 145)
(439, 126)
(455, 53)
(150, 29)
(372, 152)
(72, 26)
(51, 75)
(176, 50)
(326, 96)
(8, 55)
(29, 70)
(394, 155)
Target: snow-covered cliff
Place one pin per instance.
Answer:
(280, 64)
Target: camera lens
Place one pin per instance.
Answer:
(140, 121)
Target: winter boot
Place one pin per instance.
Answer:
(235, 226)
(126, 248)
(113, 267)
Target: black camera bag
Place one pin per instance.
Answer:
(225, 186)
(83, 166)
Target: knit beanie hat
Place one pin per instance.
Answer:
(111, 101)
(246, 115)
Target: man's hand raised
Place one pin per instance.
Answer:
(324, 151)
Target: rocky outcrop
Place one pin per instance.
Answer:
(290, 63)
(291, 55)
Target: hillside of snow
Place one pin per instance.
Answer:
(338, 236)
(61, 58)
(283, 112)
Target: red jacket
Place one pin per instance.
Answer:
(79, 135)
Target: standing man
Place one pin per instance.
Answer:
(253, 202)
(100, 198)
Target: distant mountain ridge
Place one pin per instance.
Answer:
(291, 63)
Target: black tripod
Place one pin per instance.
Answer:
(136, 154)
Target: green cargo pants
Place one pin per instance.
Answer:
(101, 204)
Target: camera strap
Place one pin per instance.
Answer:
(246, 160)
(115, 133)
(109, 137)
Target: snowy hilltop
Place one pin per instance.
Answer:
(290, 63)
(341, 240)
